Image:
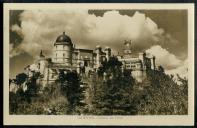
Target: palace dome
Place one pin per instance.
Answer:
(63, 39)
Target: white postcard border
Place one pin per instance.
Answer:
(99, 120)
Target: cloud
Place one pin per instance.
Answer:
(17, 29)
(14, 51)
(181, 70)
(40, 29)
(169, 61)
(164, 57)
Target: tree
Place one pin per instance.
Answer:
(32, 86)
(71, 89)
(110, 66)
(21, 102)
(21, 78)
(184, 84)
(162, 97)
(160, 68)
(113, 97)
(10, 81)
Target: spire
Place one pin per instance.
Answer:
(41, 54)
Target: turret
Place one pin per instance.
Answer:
(142, 58)
(42, 62)
(78, 60)
(63, 49)
(127, 49)
(98, 55)
(153, 63)
(107, 52)
(41, 55)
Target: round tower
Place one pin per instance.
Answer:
(41, 63)
(98, 54)
(107, 52)
(142, 57)
(127, 49)
(63, 48)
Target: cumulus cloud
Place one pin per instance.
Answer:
(164, 57)
(181, 70)
(14, 51)
(40, 29)
(169, 61)
(17, 29)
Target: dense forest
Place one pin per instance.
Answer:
(115, 93)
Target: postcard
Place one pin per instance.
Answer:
(98, 64)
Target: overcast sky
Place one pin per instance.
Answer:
(159, 32)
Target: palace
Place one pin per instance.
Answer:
(68, 57)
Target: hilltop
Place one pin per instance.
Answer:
(110, 91)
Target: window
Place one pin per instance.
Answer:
(38, 65)
(63, 57)
(127, 66)
(85, 63)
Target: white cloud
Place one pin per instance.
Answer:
(164, 57)
(14, 51)
(182, 70)
(17, 29)
(41, 28)
(169, 61)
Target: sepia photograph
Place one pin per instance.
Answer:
(99, 62)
